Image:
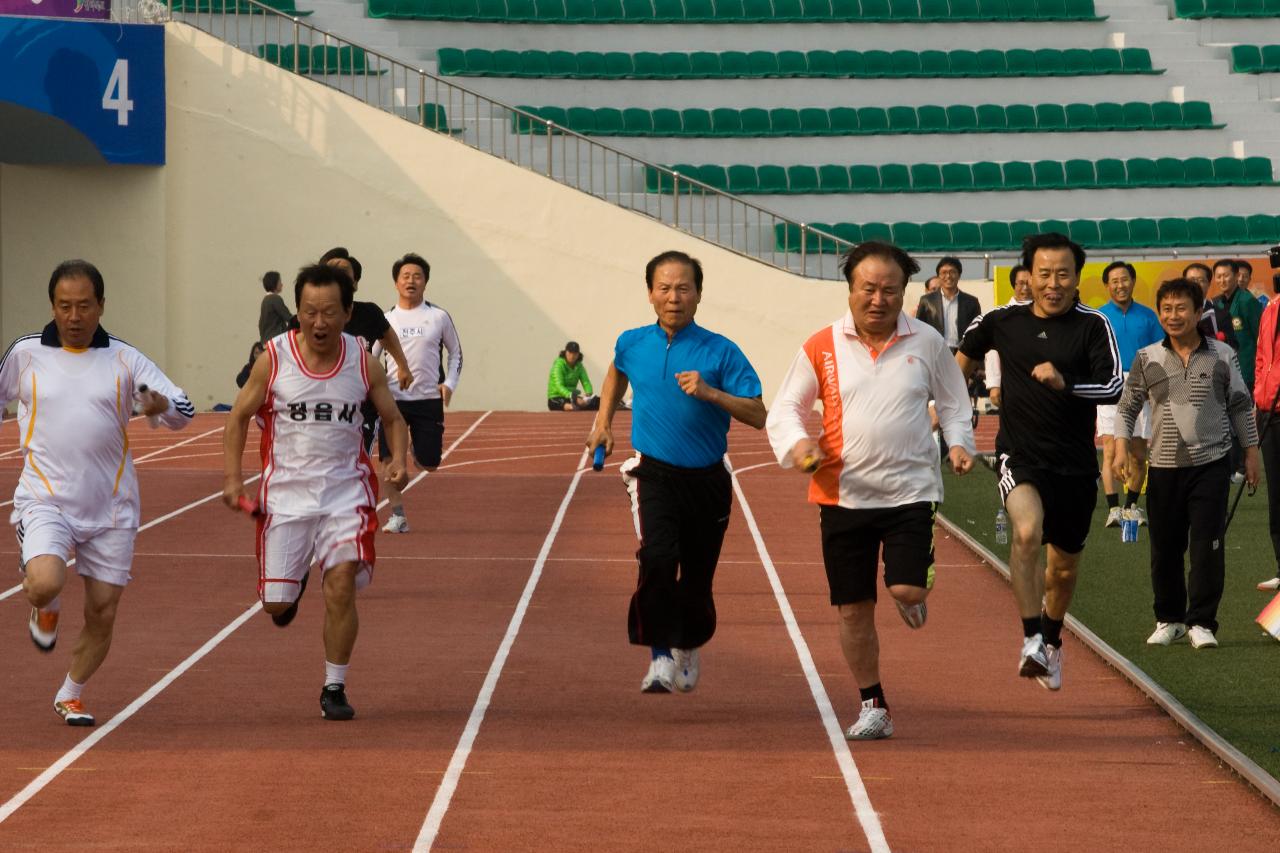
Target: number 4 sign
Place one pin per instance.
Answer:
(119, 85)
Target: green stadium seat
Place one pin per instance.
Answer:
(903, 120)
(786, 237)
(697, 11)
(994, 10)
(704, 65)
(534, 63)
(577, 11)
(817, 10)
(792, 63)
(743, 180)
(1081, 10)
(519, 123)
(1050, 62)
(772, 179)
(1251, 9)
(1233, 230)
(1049, 175)
(666, 122)
(1111, 173)
(844, 121)
(1135, 60)
(1197, 114)
(895, 177)
(285, 57)
(549, 10)
(735, 63)
(784, 122)
(1020, 62)
(669, 11)
(934, 63)
(1018, 175)
(757, 10)
(1228, 170)
(991, 118)
(1166, 114)
(581, 119)
(1110, 115)
(802, 179)
(1081, 117)
(562, 63)
(637, 10)
(607, 11)
(822, 63)
(521, 10)
(1022, 10)
(875, 10)
(1051, 10)
(850, 63)
(994, 236)
(1141, 172)
(1020, 230)
(957, 177)
(904, 10)
(864, 179)
(872, 120)
(1257, 170)
(1203, 231)
(1144, 233)
(1114, 233)
(726, 122)
(926, 177)
(1051, 117)
(814, 122)
(991, 63)
(815, 244)
(966, 236)
(636, 122)
(1137, 116)
(965, 63)
(787, 10)
(1079, 174)
(609, 122)
(849, 232)
(833, 179)
(676, 66)
(729, 10)
(556, 115)
(933, 119)
(1171, 172)
(1077, 62)
(695, 122)
(1271, 57)
(907, 235)
(647, 65)
(591, 65)
(475, 10)
(762, 63)
(449, 60)
(877, 231)
(755, 122)
(935, 236)
(506, 63)
(1020, 117)
(1262, 228)
(1198, 172)
(905, 63)
(1106, 60)
(935, 10)
(965, 10)
(1054, 226)
(1173, 231)
(877, 63)
(1246, 59)
(987, 176)
(618, 65)
(960, 118)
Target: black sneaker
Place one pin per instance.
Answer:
(333, 703)
(284, 617)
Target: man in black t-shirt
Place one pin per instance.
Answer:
(1059, 362)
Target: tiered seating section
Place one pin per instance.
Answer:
(237, 7)
(874, 64)
(319, 59)
(1227, 8)
(1254, 59)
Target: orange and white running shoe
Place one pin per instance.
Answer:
(44, 629)
(73, 712)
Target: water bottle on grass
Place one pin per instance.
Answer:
(1128, 526)
(1002, 527)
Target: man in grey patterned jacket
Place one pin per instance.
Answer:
(1196, 393)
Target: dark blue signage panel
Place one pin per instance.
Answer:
(81, 91)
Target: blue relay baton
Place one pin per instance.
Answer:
(597, 461)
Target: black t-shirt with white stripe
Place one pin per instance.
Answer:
(1041, 427)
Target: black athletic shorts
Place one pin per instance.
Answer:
(851, 542)
(1068, 501)
(425, 419)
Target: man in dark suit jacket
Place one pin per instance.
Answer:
(949, 309)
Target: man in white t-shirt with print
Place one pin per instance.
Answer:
(426, 331)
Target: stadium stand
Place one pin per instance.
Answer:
(1254, 59)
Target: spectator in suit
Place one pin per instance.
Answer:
(948, 309)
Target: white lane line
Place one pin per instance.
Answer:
(753, 467)
(504, 459)
(866, 814)
(182, 443)
(443, 456)
(449, 784)
(69, 757)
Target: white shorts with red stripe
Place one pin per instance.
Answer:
(288, 546)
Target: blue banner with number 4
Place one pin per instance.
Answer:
(81, 92)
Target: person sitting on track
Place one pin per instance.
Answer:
(75, 384)
(688, 383)
(873, 473)
(318, 494)
(567, 373)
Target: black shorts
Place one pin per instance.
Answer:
(425, 419)
(851, 540)
(1068, 501)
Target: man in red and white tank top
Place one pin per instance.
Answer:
(318, 496)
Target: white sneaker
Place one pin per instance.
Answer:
(396, 524)
(661, 676)
(43, 627)
(687, 668)
(1166, 633)
(873, 723)
(1139, 515)
(1269, 585)
(1114, 516)
(1052, 680)
(1035, 658)
(913, 614)
(1202, 638)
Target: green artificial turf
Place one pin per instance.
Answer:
(1233, 688)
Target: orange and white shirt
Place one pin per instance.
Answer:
(876, 436)
(74, 407)
(313, 457)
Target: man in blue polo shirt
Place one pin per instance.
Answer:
(687, 384)
(1135, 326)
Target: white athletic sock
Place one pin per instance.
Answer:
(335, 673)
(70, 690)
(53, 606)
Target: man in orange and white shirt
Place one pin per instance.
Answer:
(76, 386)
(874, 467)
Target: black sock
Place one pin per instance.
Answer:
(1031, 627)
(1052, 630)
(1131, 498)
(875, 692)
(1113, 501)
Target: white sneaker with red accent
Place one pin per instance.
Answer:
(43, 627)
(73, 712)
(874, 723)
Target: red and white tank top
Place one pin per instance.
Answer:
(313, 459)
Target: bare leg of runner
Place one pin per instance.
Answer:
(1026, 518)
(341, 623)
(101, 600)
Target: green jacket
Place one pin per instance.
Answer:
(564, 379)
(1246, 317)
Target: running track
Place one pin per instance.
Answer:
(498, 703)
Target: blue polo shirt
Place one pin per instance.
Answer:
(1136, 328)
(667, 423)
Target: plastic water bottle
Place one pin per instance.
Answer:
(1002, 527)
(1128, 526)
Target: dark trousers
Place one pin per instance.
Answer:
(1188, 503)
(1271, 465)
(684, 513)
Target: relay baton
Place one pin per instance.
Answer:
(154, 420)
(597, 460)
(249, 506)
(810, 463)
